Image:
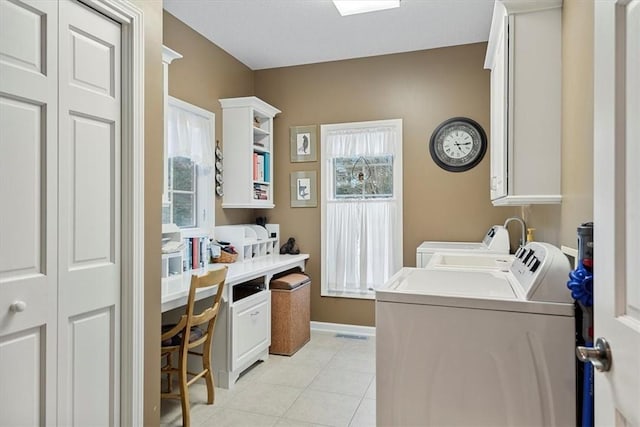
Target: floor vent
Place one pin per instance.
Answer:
(353, 337)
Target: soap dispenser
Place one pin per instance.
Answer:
(530, 234)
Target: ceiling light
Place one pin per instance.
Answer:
(351, 7)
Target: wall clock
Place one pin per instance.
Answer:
(458, 144)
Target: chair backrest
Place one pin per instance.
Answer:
(212, 278)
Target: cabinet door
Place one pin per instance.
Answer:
(499, 117)
(251, 325)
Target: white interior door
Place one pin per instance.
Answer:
(617, 209)
(60, 216)
(28, 212)
(89, 226)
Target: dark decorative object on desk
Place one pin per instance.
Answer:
(262, 221)
(291, 247)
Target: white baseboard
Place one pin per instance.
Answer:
(340, 328)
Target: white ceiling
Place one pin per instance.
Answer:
(278, 33)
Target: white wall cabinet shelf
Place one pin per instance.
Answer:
(247, 138)
(524, 56)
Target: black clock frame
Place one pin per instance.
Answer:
(461, 168)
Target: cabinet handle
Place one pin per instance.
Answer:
(255, 313)
(18, 306)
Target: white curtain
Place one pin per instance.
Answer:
(362, 235)
(190, 136)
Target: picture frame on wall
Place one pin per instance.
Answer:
(303, 142)
(304, 192)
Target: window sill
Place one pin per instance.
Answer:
(369, 295)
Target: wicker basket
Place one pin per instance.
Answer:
(225, 257)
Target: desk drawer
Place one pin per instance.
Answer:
(251, 328)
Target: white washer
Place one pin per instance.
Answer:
(470, 348)
(495, 241)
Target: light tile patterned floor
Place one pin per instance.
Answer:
(329, 382)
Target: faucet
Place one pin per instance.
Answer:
(524, 227)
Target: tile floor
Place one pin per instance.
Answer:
(329, 382)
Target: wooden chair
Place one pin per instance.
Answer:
(186, 335)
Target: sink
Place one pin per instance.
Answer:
(472, 261)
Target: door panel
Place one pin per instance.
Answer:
(23, 392)
(28, 218)
(91, 160)
(21, 135)
(89, 244)
(93, 66)
(22, 42)
(93, 370)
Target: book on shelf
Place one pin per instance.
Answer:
(260, 167)
(266, 172)
(255, 166)
(195, 253)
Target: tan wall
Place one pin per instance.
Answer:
(423, 88)
(152, 200)
(205, 74)
(577, 118)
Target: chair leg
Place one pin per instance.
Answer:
(206, 363)
(184, 392)
(169, 373)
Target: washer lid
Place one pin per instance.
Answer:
(484, 284)
(484, 290)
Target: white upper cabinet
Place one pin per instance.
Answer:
(524, 56)
(247, 138)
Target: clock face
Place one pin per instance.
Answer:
(458, 144)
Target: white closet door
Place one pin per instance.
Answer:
(89, 226)
(28, 207)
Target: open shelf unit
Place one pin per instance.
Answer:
(250, 240)
(247, 137)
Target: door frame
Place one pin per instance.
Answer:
(131, 19)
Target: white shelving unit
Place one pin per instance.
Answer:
(247, 138)
(524, 56)
(251, 241)
(172, 261)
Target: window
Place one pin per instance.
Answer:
(361, 206)
(181, 189)
(190, 164)
(366, 177)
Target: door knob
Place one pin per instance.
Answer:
(599, 355)
(18, 306)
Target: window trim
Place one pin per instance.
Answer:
(324, 190)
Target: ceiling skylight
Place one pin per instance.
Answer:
(351, 7)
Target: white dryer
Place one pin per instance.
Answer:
(495, 241)
(484, 347)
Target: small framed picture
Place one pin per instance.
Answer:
(303, 143)
(303, 190)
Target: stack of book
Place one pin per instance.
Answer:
(195, 253)
(260, 191)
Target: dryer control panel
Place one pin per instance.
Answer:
(497, 239)
(541, 270)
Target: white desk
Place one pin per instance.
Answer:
(243, 328)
